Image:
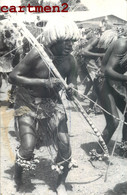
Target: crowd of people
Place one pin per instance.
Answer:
(99, 59)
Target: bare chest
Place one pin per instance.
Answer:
(42, 71)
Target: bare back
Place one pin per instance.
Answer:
(116, 57)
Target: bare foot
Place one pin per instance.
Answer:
(61, 190)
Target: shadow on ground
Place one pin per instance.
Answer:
(119, 189)
(12, 134)
(94, 145)
(43, 175)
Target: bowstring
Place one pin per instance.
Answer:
(96, 104)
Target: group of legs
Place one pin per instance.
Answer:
(112, 101)
(28, 141)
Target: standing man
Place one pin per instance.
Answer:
(94, 53)
(38, 103)
(111, 78)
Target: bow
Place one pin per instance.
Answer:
(48, 62)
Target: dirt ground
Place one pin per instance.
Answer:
(87, 179)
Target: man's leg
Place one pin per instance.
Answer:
(122, 148)
(93, 97)
(64, 155)
(111, 123)
(107, 101)
(28, 141)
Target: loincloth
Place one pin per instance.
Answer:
(117, 86)
(47, 112)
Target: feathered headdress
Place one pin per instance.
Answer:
(108, 37)
(60, 29)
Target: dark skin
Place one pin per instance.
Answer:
(114, 65)
(33, 67)
(92, 52)
(89, 53)
(33, 74)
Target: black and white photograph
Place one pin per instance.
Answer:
(63, 97)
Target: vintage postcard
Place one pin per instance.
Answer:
(63, 97)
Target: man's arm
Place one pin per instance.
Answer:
(19, 75)
(88, 48)
(72, 77)
(114, 60)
